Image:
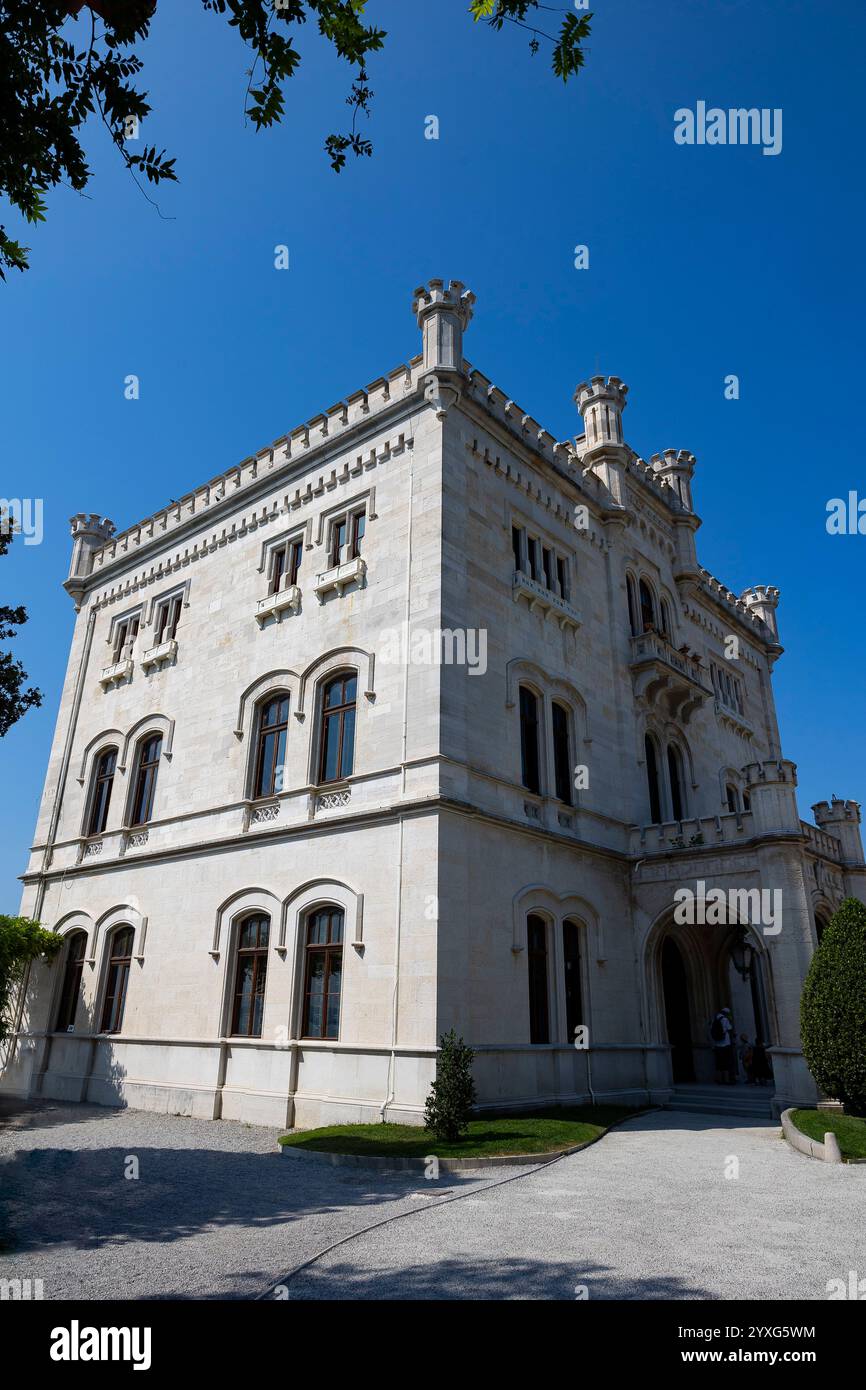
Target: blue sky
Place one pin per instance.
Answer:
(704, 261)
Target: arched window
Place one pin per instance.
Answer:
(323, 971)
(100, 791)
(747, 802)
(539, 1012)
(561, 756)
(271, 734)
(76, 945)
(731, 796)
(573, 992)
(529, 759)
(652, 773)
(117, 978)
(632, 606)
(337, 729)
(144, 788)
(675, 773)
(251, 973)
(665, 613)
(647, 607)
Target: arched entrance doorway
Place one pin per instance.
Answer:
(693, 972)
(677, 1013)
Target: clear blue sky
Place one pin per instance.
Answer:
(704, 261)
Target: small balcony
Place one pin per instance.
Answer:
(541, 599)
(120, 670)
(669, 680)
(155, 656)
(286, 600)
(340, 577)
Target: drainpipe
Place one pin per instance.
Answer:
(392, 1060)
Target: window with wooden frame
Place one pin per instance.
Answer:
(123, 640)
(530, 768)
(337, 727)
(117, 979)
(144, 785)
(251, 972)
(285, 565)
(272, 731)
(561, 754)
(100, 791)
(323, 972)
(166, 619)
(539, 1005)
(573, 987)
(76, 946)
(347, 533)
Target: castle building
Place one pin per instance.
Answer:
(419, 719)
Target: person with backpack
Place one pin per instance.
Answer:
(722, 1032)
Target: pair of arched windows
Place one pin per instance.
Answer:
(646, 612)
(538, 967)
(322, 967)
(141, 803)
(531, 760)
(675, 783)
(335, 754)
(118, 964)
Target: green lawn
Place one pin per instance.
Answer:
(848, 1129)
(541, 1132)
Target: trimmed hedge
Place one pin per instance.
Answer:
(833, 1009)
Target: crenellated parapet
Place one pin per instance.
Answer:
(841, 818)
(676, 468)
(771, 785)
(762, 600)
(90, 531)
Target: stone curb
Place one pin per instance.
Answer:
(827, 1153)
(396, 1164)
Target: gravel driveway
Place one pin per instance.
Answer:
(216, 1212)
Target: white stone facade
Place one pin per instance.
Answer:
(454, 878)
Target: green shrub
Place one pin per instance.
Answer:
(833, 1009)
(452, 1094)
(21, 941)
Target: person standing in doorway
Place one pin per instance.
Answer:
(722, 1033)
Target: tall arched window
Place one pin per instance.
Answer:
(529, 732)
(675, 773)
(100, 791)
(144, 788)
(337, 729)
(251, 971)
(647, 607)
(731, 796)
(539, 1012)
(665, 614)
(76, 945)
(271, 735)
(117, 978)
(573, 990)
(561, 756)
(632, 606)
(652, 773)
(323, 973)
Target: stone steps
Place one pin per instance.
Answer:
(751, 1103)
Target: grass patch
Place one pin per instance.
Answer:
(848, 1129)
(541, 1131)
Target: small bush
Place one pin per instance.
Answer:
(833, 1009)
(452, 1094)
(21, 941)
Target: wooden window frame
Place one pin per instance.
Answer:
(70, 990)
(144, 784)
(328, 712)
(330, 949)
(99, 780)
(258, 953)
(118, 968)
(166, 619)
(124, 636)
(263, 733)
(347, 533)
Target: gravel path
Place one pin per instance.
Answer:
(216, 1212)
